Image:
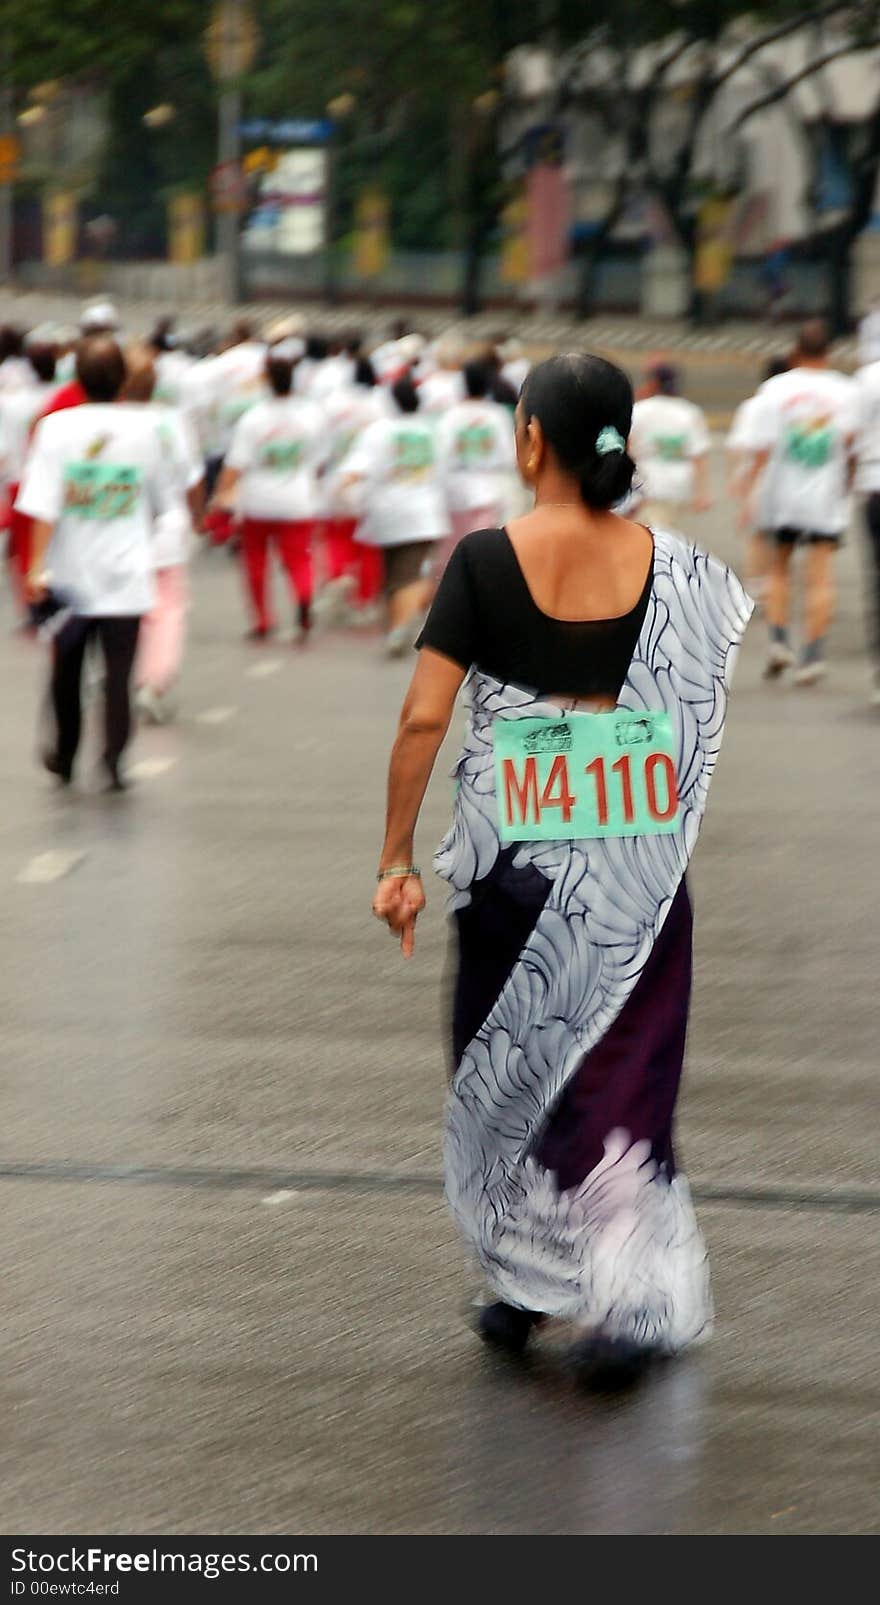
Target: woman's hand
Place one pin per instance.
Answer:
(399, 901)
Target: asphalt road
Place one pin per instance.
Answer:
(233, 1299)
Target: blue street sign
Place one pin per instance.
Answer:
(289, 131)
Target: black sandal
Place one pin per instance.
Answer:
(507, 1327)
(609, 1364)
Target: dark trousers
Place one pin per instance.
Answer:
(872, 525)
(118, 638)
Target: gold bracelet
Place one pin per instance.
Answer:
(399, 872)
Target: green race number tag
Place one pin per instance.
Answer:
(101, 490)
(586, 774)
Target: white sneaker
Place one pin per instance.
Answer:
(145, 704)
(332, 602)
(397, 642)
(811, 673)
(164, 706)
(779, 658)
(366, 617)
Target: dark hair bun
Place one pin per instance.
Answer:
(604, 481)
(576, 399)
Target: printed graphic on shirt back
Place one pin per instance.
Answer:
(473, 445)
(98, 490)
(413, 455)
(670, 448)
(810, 441)
(281, 455)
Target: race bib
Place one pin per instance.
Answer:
(594, 774)
(101, 490)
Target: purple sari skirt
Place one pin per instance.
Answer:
(630, 1079)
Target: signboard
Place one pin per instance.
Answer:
(10, 156)
(372, 233)
(515, 256)
(548, 200)
(228, 188)
(186, 229)
(290, 131)
(59, 228)
(549, 219)
(289, 216)
(714, 253)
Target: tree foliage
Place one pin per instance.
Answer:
(426, 92)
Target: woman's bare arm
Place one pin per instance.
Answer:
(424, 721)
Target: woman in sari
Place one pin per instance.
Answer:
(578, 632)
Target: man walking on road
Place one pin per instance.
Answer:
(802, 431)
(93, 483)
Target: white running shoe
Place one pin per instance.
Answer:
(811, 673)
(145, 704)
(398, 642)
(164, 706)
(779, 658)
(331, 605)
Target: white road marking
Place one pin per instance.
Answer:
(151, 768)
(216, 715)
(283, 1196)
(46, 867)
(259, 671)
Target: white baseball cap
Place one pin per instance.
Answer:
(291, 349)
(100, 315)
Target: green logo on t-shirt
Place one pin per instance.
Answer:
(810, 444)
(473, 445)
(281, 456)
(413, 454)
(101, 490)
(671, 448)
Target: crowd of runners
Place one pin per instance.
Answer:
(359, 468)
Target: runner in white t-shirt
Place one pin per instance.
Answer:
(163, 629)
(15, 373)
(353, 569)
(395, 462)
(803, 434)
(751, 512)
(477, 455)
(95, 479)
(670, 443)
(442, 389)
(221, 389)
(19, 411)
(338, 372)
(271, 478)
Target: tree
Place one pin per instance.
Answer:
(626, 86)
(854, 141)
(135, 56)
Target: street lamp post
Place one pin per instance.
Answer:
(228, 155)
(338, 110)
(231, 41)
